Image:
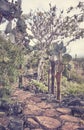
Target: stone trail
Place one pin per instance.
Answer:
(42, 115)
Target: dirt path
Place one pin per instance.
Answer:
(42, 115)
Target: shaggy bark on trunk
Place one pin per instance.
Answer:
(40, 69)
(58, 76)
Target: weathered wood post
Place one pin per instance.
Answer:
(20, 76)
(52, 74)
(49, 80)
(58, 76)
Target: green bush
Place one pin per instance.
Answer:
(70, 87)
(10, 58)
(76, 88)
(77, 78)
(4, 92)
(39, 85)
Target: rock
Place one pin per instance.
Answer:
(71, 100)
(47, 122)
(75, 102)
(36, 99)
(32, 123)
(82, 103)
(51, 98)
(44, 105)
(2, 114)
(80, 128)
(50, 113)
(32, 89)
(70, 126)
(64, 102)
(15, 109)
(27, 129)
(2, 127)
(25, 121)
(69, 118)
(64, 110)
(4, 105)
(15, 124)
(27, 111)
(37, 129)
(35, 109)
(0, 103)
(26, 88)
(43, 98)
(19, 94)
(77, 111)
(4, 121)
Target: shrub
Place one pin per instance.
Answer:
(76, 88)
(77, 78)
(39, 85)
(10, 59)
(70, 87)
(4, 92)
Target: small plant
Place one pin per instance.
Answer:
(77, 88)
(77, 78)
(39, 85)
(70, 87)
(4, 92)
(10, 59)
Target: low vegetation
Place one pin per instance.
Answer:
(71, 87)
(39, 85)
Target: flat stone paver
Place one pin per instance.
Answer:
(70, 126)
(64, 110)
(48, 122)
(50, 113)
(69, 118)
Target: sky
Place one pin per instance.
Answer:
(76, 47)
(44, 4)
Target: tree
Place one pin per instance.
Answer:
(17, 35)
(9, 61)
(52, 26)
(9, 10)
